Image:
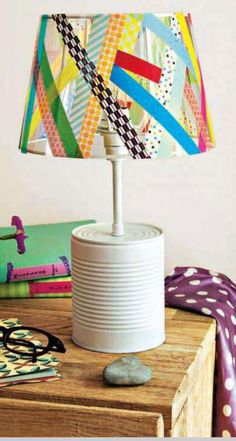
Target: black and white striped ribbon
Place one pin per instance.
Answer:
(104, 95)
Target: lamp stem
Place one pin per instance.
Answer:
(118, 225)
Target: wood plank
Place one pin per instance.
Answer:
(195, 419)
(52, 304)
(195, 317)
(37, 419)
(180, 428)
(200, 401)
(53, 321)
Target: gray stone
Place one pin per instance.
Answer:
(127, 371)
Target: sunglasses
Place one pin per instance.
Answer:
(16, 340)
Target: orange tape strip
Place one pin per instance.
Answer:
(48, 121)
(104, 67)
(197, 113)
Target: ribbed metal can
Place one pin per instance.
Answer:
(118, 288)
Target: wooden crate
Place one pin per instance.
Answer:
(176, 402)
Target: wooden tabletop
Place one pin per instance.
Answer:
(175, 364)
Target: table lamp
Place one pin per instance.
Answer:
(133, 81)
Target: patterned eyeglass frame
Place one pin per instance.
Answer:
(54, 343)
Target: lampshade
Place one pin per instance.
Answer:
(136, 74)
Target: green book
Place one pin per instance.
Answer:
(47, 252)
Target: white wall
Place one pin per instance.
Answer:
(193, 199)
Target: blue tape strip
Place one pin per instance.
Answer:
(156, 26)
(125, 82)
(30, 106)
(174, 105)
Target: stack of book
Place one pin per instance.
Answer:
(15, 368)
(43, 269)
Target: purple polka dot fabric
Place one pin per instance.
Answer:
(212, 294)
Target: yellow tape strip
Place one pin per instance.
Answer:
(189, 45)
(130, 33)
(210, 127)
(104, 67)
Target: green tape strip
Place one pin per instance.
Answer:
(31, 100)
(59, 115)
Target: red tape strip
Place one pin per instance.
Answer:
(138, 66)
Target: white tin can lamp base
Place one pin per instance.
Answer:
(118, 288)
